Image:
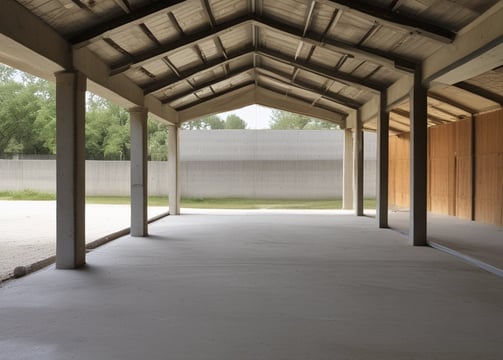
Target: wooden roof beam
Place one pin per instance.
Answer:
(391, 18)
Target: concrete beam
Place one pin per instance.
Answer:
(418, 162)
(251, 95)
(477, 49)
(174, 170)
(70, 170)
(42, 55)
(139, 178)
(120, 85)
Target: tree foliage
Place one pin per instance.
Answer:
(233, 121)
(215, 122)
(284, 120)
(28, 121)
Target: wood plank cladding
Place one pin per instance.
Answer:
(399, 171)
(451, 171)
(489, 168)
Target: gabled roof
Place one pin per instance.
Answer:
(185, 59)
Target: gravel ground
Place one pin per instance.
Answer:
(29, 229)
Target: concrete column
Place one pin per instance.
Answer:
(347, 170)
(174, 170)
(139, 179)
(70, 170)
(418, 161)
(382, 163)
(358, 167)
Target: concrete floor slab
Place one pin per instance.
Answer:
(257, 286)
(478, 241)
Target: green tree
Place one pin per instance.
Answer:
(233, 121)
(284, 120)
(211, 122)
(27, 114)
(157, 140)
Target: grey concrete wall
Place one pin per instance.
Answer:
(232, 163)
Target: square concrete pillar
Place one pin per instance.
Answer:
(347, 170)
(70, 170)
(418, 161)
(358, 167)
(174, 170)
(382, 163)
(139, 179)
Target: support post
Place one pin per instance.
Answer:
(173, 170)
(139, 179)
(347, 171)
(382, 162)
(358, 166)
(70, 170)
(418, 161)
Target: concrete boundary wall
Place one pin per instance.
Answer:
(219, 164)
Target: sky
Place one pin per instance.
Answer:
(256, 116)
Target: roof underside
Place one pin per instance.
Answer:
(331, 57)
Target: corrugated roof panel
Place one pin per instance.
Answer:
(237, 38)
(311, 79)
(189, 99)
(191, 16)
(351, 64)
(325, 58)
(133, 40)
(273, 85)
(272, 64)
(491, 81)
(364, 69)
(105, 52)
(322, 15)
(241, 62)
(386, 38)
(276, 41)
(417, 47)
(224, 10)
(162, 28)
(232, 82)
(466, 99)
(185, 59)
(452, 15)
(385, 76)
(331, 105)
(139, 77)
(351, 28)
(174, 90)
(335, 87)
(209, 51)
(356, 94)
(292, 12)
(208, 75)
(158, 68)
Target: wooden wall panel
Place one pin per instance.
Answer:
(463, 166)
(442, 169)
(399, 171)
(489, 168)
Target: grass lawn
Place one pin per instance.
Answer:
(202, 203)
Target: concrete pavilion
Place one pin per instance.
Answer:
(392, 66)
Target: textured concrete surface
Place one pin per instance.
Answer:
(480, 241)
(29, 229)
(257, 286)
(240, 163)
